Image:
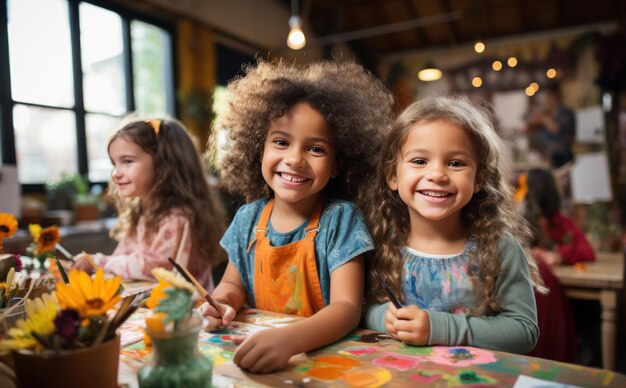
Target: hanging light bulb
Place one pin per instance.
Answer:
(429, 73)
(296, 39)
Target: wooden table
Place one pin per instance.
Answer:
(600, 281)
(366, 358)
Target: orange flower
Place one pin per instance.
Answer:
(157, 294)
(8, 225)
(48, 240)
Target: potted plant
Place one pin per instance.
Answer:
(67, 338)
(71, 192)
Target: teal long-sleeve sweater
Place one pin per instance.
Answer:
(514, 329)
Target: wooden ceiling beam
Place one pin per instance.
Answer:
(524, 15)
(422, 39)
(383, 15)
(485, 8)
(453, 26)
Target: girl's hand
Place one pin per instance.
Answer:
(390, 319)
(265, 351)
(82, 264)
(214, 317)
(412, 325)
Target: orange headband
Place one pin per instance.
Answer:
(156, 125)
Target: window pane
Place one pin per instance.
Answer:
(40, 54)
(99, 128)
(45, 141)
(152, 70)
(103, 64)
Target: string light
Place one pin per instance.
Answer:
(479, 47)
(496, 65)
(477, 82)
(512, 62)
(551, 73)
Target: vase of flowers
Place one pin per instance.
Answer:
(173, 333)
(67, 337)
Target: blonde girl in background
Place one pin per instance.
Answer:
(450, 242)
(302, 151)
(165, 205)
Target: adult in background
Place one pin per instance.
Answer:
(553, 128)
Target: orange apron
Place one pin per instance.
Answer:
(285, 278)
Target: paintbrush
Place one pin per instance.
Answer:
(203, 293)
(65, 252)
(391, 296)
(127, 307)
(90, 260)
(62, 270)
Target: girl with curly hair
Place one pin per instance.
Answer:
(166, 207)
(302, 148)
(445, 235)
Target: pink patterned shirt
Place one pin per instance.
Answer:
(135, 256)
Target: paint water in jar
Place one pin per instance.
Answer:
(176, 360)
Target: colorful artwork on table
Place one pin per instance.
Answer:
(461, 356)
(397, 361)
(366, 359)
(357, 351)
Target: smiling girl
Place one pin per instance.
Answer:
(165, 205)
(302, 147)
(449, 237)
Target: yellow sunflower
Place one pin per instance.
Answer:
(40, 314)
(89, 296)
(35, 231)
(8, 226)
(48, 240)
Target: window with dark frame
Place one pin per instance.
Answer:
(70, 71)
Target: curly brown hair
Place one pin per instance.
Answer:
(179, 184)
(355, 105)
(490, 215)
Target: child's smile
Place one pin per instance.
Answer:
(133, 171)
(291, 179)
(436, 172)
(299, 156)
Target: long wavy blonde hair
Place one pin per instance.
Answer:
(490, 215)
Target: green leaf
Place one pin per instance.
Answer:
(176, 305)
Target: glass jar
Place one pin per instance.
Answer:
(176, 360)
